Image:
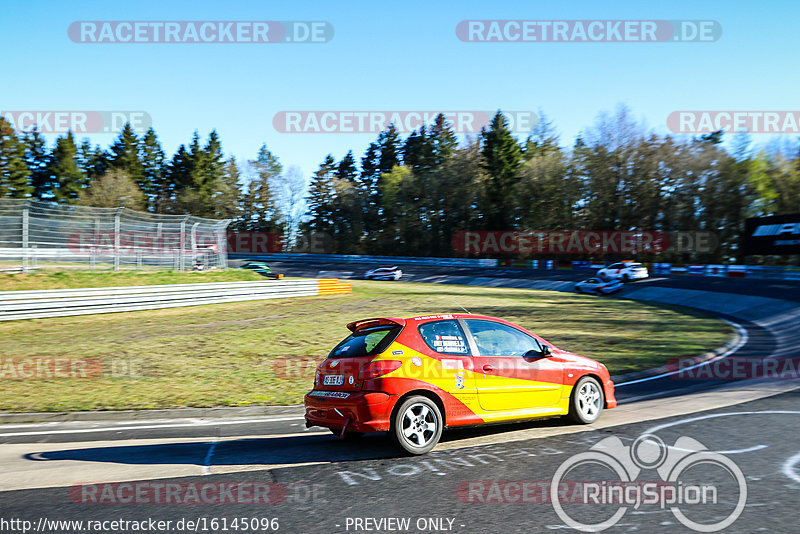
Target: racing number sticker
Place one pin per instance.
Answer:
(449, 344)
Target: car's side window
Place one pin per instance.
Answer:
(614, 266)
(444, 337)
(497, 339)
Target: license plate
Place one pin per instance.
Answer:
(330, 394)
(333, 380)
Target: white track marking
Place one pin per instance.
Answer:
(790, 467)
(147, 427)
(656, 428)
(207, 460)
(743, 337)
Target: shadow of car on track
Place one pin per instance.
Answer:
(274, 450)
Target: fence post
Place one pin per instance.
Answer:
(194, 243)
(116, 238)
(222, 244)
(25, 235)
(182, 259)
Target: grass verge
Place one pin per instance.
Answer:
(60, 279)
(235, 354)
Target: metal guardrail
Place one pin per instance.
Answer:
(347, 258)
(35, 304)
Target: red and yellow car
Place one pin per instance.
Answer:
(415, 376)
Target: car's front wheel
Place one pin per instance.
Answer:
(417, 425)
(587, 401)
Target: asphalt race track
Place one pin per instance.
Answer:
(494, 479)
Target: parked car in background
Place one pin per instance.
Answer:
(384, 273)
(598, 286)
(624, 270)
(413, 377)
(263, 269)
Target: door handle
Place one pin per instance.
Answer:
(488, 368)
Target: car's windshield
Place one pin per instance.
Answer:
(365, 342)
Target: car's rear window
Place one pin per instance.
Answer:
(366, 342)
(635, 265)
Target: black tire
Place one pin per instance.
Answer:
(626, 278)
(414, 417)
(347, 435)
(582, 410)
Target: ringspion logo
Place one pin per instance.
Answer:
(705, 490)
(199, 31)
(588, 31)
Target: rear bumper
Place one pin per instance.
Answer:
(367, 411)
(608, 391)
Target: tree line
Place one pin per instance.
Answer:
(410, 196)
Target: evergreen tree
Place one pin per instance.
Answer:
(65, 171)
(94, 162)
(321, 197)
(390, 147)
(226, 201)
(125, 156)
(14, 173)
(177, 177)
(37, 159)
(443, 140)
(502, 158)
(153, 169)
(348, 207)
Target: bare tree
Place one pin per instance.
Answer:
(112, 190)
(291, 189)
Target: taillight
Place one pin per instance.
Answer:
(378, 368)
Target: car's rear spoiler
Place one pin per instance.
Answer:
(378, 321)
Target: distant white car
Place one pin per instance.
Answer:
(625, 271)
(384, 273)
(598, 286)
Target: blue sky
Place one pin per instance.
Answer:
(391, 56)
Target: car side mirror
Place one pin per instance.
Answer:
(533, 353)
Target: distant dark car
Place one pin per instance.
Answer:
(262, 268)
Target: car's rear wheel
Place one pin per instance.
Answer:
(626, 278)
(587, 401)
(417, 425)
